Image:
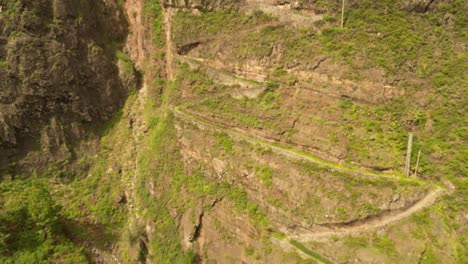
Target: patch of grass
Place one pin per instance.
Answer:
(126, 61)
(370, 209)
(188, 26)
(225, 142)
(242, 204)
(269, 101)
(155, 166)
(111, 124)
(277, 235)
(31, 224)
(420, 47)
(422, 218)
(153, 10)
(3, 65)
(342, 213)
(429, 257)
(309, 252)
(195, 84)
(356, 242)
(249, 251)
(384, 244)
(265, 174)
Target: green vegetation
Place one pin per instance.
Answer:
(249, 251)
(422, 218)
(189, 27)
(419, 53)
(161, 165)
(265, 174)
(31, 225)
(153, 10)
(10, 10)
(134, 191)
(379, 130)
(384, 244)
(126, 61)
(263, 46)
(429, 258)
(309, 252)
(422, 43)
(229, 108)
(315, 180)
(244, 205)
(224, 141)
(392, 39)
(3, 65)
(158, 161)
(322, 163)
(356, 242)
(277, 235)
(195, 81)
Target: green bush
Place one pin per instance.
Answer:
(265, 174)
(356, 242)
(384, 244)
(3, 64)
(30, 230)
(125, 59)
(153, 10)
(225, 142)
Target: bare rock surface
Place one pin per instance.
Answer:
(56, 65)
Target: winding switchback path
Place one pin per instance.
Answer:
(321, 234)
(284, 150)
(377, 222)
(426, 201)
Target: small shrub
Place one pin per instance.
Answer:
(384, 244)
(225, 142)
(249, 251)
(125, 59)
(265, 174)
(3, 65)
(153, 10)
(356, 242)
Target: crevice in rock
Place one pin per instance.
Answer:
(143, 248)
(421, 256)
(319, 62)
(216, 201)
(185, 49)
(197, 228)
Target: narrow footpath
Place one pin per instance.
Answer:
(317, 235)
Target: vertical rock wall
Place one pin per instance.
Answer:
(58, 75)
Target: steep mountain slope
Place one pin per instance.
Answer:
(59, 77)
(252, 132)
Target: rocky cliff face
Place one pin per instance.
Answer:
(58, 74)
(247, 138)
